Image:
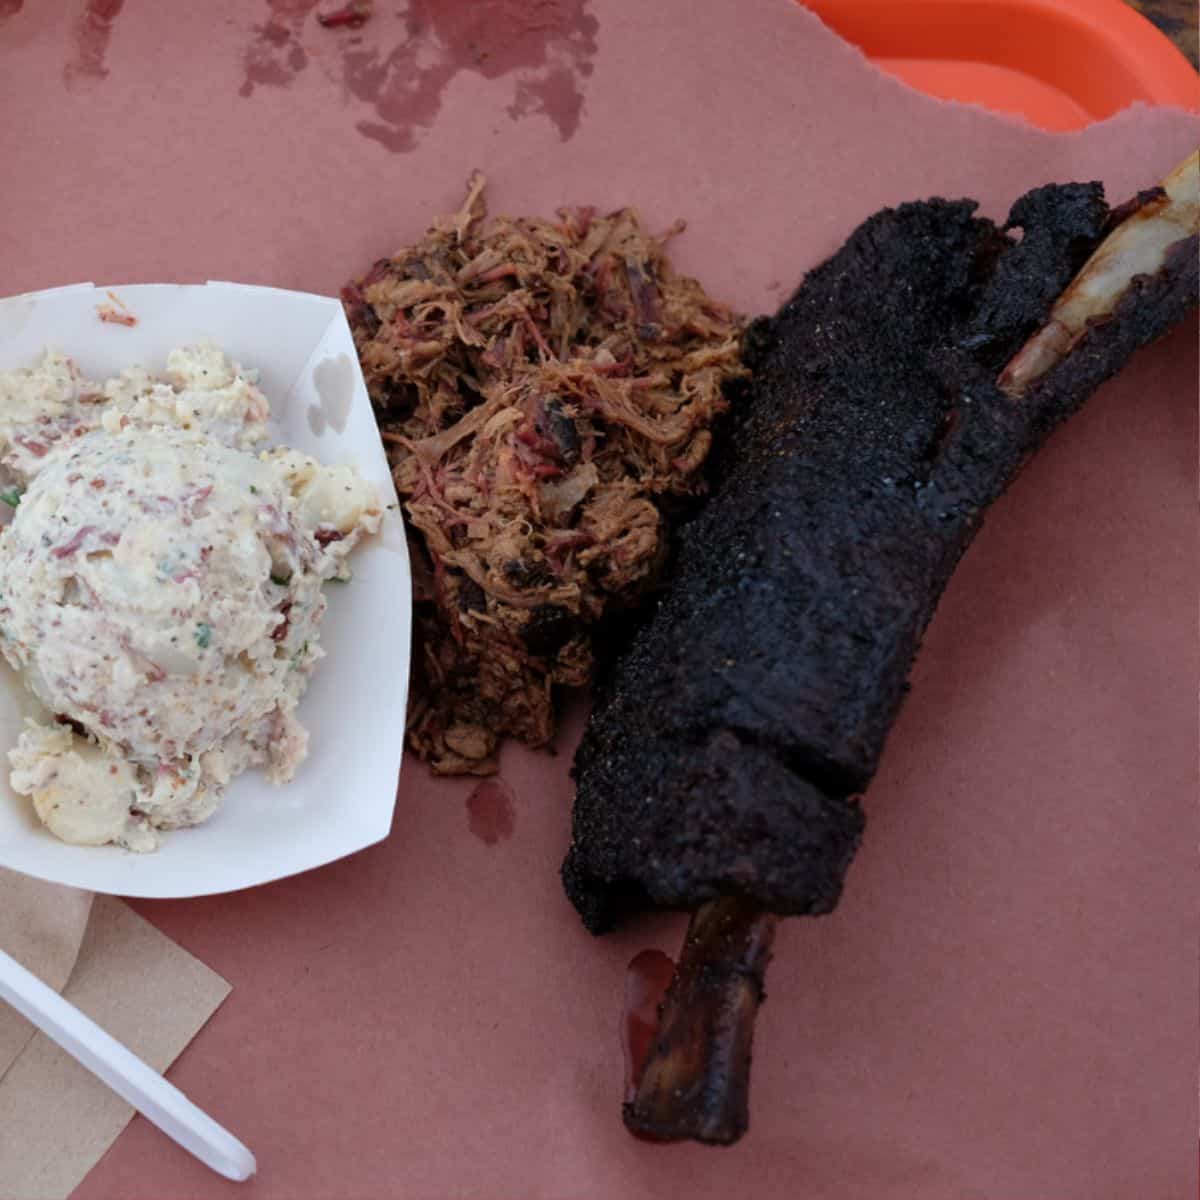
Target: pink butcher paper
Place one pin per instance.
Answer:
(1003, 1006)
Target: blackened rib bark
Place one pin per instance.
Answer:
(1150, 306)
(724, 748)
(753, 827)
(1059, 224)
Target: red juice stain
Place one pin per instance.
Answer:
(10, 8)
(547, 44)
(90, 36)
(350, 16)
(491, 812)
(275, 55)
(649, 976)
(555, 94)
(399, 67)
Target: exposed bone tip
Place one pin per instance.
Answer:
(695, 1084)
(1139, 245)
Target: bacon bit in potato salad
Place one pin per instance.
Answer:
(116, 313)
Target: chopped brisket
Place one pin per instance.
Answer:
(546, 390)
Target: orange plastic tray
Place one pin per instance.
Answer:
(1059, 63)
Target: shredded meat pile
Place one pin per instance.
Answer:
(544, 387)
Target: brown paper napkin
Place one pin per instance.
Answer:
(56, 1119)
(41, 926)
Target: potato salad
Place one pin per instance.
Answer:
(160, 589)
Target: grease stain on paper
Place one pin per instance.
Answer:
(646, 983)
(90, 37)
(395, 71)
(491, 811)
(334, 382)
(276, 55)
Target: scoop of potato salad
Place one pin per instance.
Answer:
(160, 589)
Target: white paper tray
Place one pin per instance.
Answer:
(342, 797)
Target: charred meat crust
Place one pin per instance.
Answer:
(737, 797)
(1149, 307)
(1059, 226)
(726, 743)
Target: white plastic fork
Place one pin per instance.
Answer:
(158, 1101)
